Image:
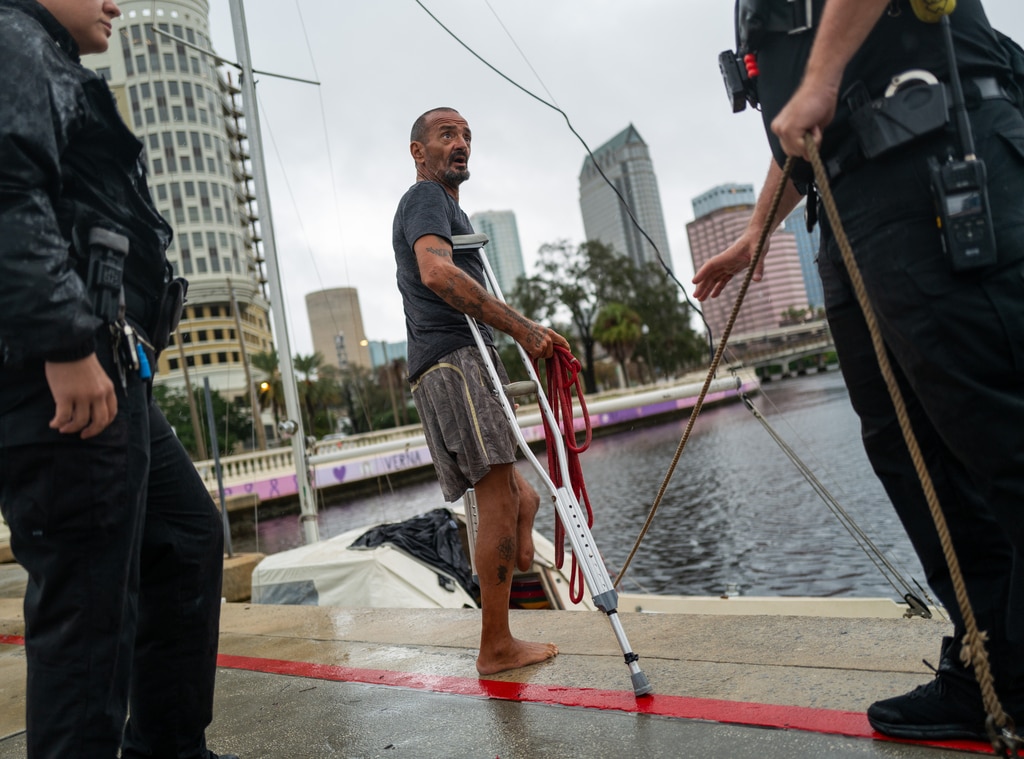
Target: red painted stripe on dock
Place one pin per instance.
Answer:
(826, 721)
(12, 640)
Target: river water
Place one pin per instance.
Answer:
(737, 513)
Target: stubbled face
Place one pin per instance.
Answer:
(444, 156)
(90, 22)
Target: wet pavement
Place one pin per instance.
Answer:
(307, 682)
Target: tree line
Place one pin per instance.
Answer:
(605, 304)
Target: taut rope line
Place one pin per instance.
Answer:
(769, 225)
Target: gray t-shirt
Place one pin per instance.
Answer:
(433, 327)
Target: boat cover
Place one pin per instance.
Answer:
(418, 563)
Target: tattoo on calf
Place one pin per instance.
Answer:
(506, 548)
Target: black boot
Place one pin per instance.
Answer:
(950, 706)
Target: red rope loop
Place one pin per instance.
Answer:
(563, 376)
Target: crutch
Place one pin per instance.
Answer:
(603, 592)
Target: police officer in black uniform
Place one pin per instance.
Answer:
(122, 542)
(952, 318)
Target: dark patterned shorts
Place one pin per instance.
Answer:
(466, 431)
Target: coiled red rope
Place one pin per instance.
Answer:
(563, 376)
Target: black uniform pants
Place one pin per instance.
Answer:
(956, 341)
(124, 550)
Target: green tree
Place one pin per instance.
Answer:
(618, 330)
(270, 385)
(579, 281)
(234, 419)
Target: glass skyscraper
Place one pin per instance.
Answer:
(626, 162)
(503, 251)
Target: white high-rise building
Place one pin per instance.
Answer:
(626, 162)
(503, 251)
(185, 112)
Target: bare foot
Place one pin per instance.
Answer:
(524, 532)
(514, 654)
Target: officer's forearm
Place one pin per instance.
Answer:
(790, 199)
(845, 24)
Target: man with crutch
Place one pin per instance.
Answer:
(467, 433)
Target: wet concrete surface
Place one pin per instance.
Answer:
(306, 682)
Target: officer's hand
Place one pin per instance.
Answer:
(84, 396)
(716, 273)
(811, 109)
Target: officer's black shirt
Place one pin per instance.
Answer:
(899, 42)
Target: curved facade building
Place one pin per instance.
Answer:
(188, 116)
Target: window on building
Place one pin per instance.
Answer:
(222, 358)
(169, 154)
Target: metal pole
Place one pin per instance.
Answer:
(192, 410)
(254, 399)
(212, 422)
(291, 392)
(391, 384)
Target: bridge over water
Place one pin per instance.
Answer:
(784, 351)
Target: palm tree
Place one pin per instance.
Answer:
(271, 387)
(308, 366)
(618, 329)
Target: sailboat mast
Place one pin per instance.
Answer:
(310, 529)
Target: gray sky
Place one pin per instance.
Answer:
(338, 158)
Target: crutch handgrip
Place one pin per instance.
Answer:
(523, 387)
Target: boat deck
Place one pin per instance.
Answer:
(308, 682)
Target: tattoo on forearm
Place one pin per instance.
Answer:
(440, 252)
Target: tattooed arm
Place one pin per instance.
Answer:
(463, 293)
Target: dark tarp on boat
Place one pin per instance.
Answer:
(433, 538)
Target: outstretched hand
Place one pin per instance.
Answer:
(83, 394)
(719, 270)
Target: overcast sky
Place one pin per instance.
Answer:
(337, 154)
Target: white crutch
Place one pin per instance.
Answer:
(574, 519)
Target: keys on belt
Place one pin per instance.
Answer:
(129, 352)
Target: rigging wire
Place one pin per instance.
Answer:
(661, 260)
(877, 557)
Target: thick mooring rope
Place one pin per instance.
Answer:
(1000, 725)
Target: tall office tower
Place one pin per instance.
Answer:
(626, 161)
(721, 216)
(337, 326)
(186, 115)
(503, 251)
(807, 245)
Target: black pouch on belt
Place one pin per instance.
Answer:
(901, 117)
(169, 313)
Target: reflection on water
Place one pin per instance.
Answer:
(737, 510)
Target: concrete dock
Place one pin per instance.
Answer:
(308, 682)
